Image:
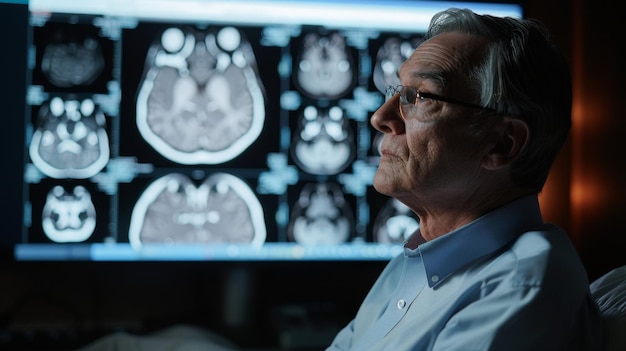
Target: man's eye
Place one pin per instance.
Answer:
(410, 97)
(426, 97)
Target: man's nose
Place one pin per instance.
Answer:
(387, 118)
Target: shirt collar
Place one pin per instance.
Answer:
(485, 235)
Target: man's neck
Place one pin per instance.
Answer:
(438, 221)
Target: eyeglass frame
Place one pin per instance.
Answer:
(391, 91)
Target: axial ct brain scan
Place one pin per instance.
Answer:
(201, 100)
(199, 130)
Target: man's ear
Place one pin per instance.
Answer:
(511, 141)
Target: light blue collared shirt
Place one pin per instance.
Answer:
(505, 281)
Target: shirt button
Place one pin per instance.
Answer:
(434, 278)
(401, 304)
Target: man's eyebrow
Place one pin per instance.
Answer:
(437, 77)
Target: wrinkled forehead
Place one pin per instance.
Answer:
(447, 55)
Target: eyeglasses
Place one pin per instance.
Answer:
(410, 96)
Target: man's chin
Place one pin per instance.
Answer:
(381, 184)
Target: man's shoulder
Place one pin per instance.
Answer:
(545, 240)
(547, 255)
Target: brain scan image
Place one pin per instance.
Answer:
(173, 210)
(394, 223)
(325, 68)
(72, 62)
(70, 139)
(388, 60)
(324, 143)
(321, 216)
(201, 100)
(68, 216)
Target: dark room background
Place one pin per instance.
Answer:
(70, 304)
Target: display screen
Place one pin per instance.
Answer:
(211, 130)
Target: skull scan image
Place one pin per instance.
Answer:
(394, 223)
(70, 140)
(68, 217)
(72, 62)
(201, 100)
(321, 216)
(323, 143)
(325, 68)
(173, 210)
(388, 60)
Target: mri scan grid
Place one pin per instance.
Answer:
(148, 132)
